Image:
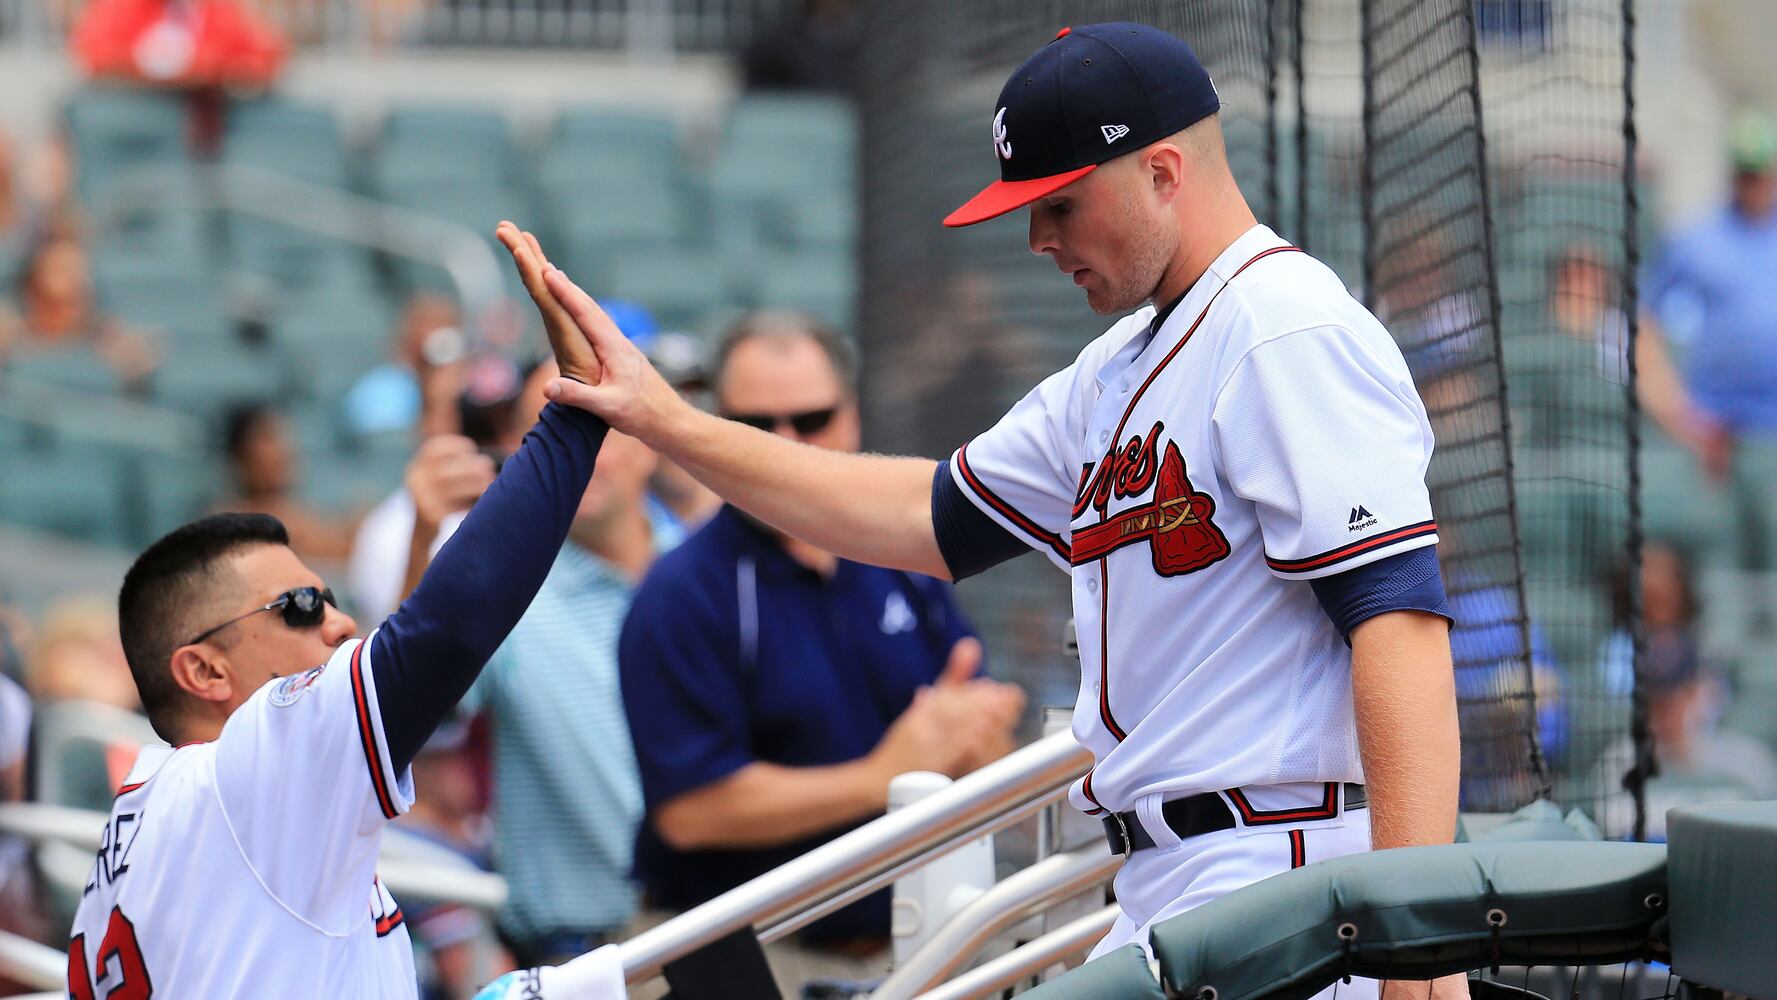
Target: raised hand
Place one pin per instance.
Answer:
(629, 394)
(447, 474)
(573, 351)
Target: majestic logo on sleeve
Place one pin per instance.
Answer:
(1002, 144)
(1177, 521)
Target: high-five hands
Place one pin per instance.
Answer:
(604, 372)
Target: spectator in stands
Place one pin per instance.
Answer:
(1695, 760)
(77, 655)
(262, 461)
(566, 794)
(773, 690)
(178, 43)
(419, 383)
(57, 311)
(1710, 294)
(446, 814)
(1585, 305)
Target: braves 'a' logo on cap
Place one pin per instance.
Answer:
(1002, 144)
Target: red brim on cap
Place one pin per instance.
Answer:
(1001, 197)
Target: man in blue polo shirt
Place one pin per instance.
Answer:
(774, 689)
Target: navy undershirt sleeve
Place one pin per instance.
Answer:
(1406, 582)
(969, 540)
(429, 652)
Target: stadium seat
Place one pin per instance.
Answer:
(116, 131)
(300, 140)
(681, 287)
(421, 144)
(72, 491)
(206, 380)
(639, 132)
(824, 285)
(825, 126)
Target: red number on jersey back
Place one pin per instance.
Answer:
(120, 940)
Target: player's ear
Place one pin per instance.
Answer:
(203, 671)
(1166, 168)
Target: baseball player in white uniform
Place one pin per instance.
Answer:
(241, 861)
(1233, 475)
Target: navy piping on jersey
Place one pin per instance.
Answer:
(970, 541)
(367, 735)
(1406, 581)
(1346, 552)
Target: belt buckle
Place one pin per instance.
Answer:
(1128, 847)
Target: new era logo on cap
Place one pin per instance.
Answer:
(1092, 94)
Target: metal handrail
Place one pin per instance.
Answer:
(35, 965)
(406, 878)
(1073, 938)
(464, 255)
(783, 899)
(1009, 901)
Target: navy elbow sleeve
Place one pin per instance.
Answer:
(1410, 581)
(970, 541)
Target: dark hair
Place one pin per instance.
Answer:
(166, 583)
(1625, 576)
(785, 324)
(242, 420)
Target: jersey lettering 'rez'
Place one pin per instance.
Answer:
(269, 833)
(1186, 472)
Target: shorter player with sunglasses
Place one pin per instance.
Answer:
(772, 687)
(241, 861)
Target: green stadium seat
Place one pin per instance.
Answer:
(72, 491)
(681, 287)
(1681, 505)
(116, 131)
(442, 143)
(206, 380)
(824, 285)
(653, 136)
(299, 140)
(73, 367)
(818, 123)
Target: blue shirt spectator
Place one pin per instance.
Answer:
(1718, 274)
(735, 652)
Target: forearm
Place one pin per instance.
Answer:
(868, 508)
(1404, 693)
(766, 805)
(429, 652)
(419, 554)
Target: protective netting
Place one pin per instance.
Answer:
(1355, 131)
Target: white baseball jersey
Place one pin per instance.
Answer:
(246, 867)
(1190, 480)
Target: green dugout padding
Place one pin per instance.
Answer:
(1413, 913)
(1724, 895)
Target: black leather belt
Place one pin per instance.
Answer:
(1195, 815)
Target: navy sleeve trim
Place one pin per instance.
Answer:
(969, 540)
(1409, 581)
(430, 651)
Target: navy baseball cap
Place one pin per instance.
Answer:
(1092, 94)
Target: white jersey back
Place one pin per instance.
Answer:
(1190, 480)
(246, 867)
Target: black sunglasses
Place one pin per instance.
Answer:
(302, 607)
(804, 423)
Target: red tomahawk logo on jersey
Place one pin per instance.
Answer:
(1177, 521)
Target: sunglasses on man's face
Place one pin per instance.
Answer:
(804, 423)
(301, 607)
